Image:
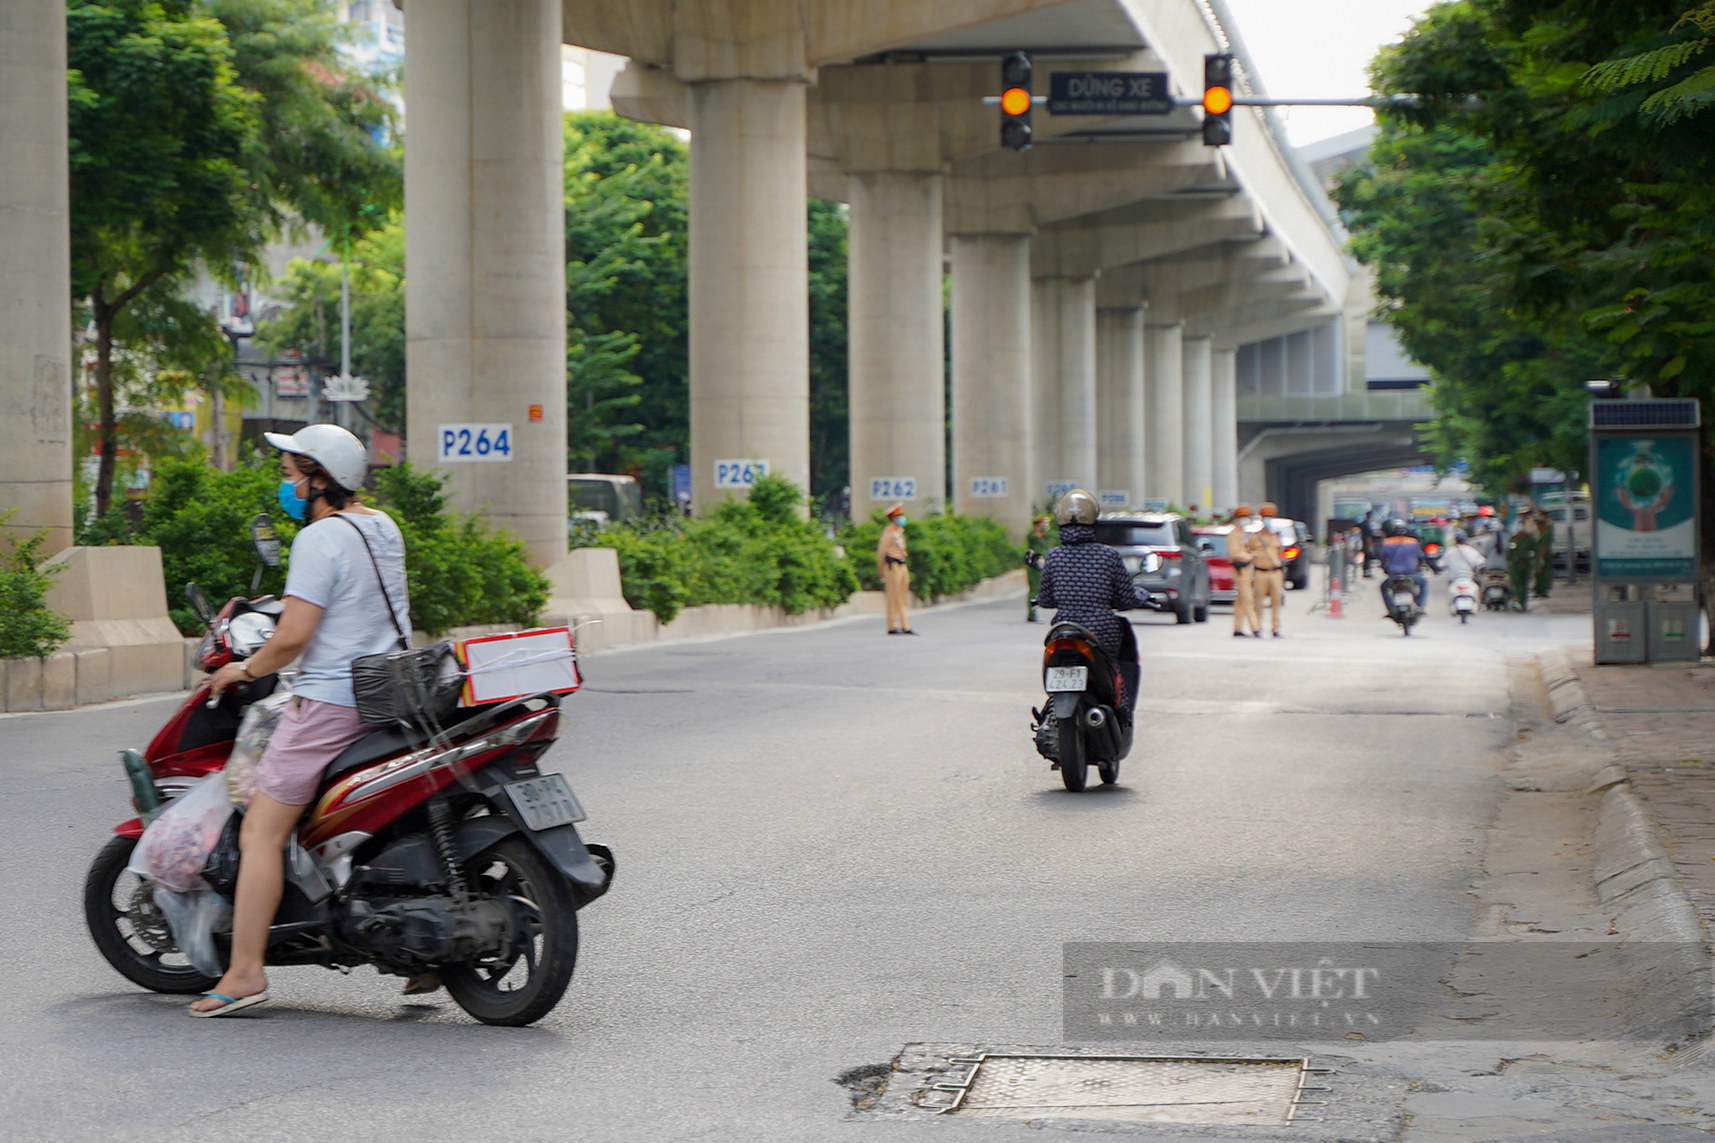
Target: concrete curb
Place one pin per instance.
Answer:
(1632, 872)
(1636, 881)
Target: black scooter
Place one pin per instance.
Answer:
(1399, 593)
(1083, 720)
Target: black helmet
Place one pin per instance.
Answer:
(1394, 527)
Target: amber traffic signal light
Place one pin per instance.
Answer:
(1218, 99)
(1015, 101)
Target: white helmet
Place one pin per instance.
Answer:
(339, 452)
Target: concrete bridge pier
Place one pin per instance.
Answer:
(1199, 469)
(1120, 401)
(1164, 380)
(35, 272)
(485, 316)
(749, 281)
(895, 330)
(992, 471)
(1063, 383)
(1224, 412)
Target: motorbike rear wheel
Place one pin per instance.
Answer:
(524, 987)
(129, 931)
(1110, 771)
(1073, 761)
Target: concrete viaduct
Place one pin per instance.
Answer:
(1106, 285)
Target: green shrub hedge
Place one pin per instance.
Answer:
(29, 628)
(460, 572)
(760, 550)
(949, 553)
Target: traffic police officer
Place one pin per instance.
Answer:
(1267, 562)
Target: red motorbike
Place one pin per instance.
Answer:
(448, 850)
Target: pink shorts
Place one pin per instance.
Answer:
(309, 736)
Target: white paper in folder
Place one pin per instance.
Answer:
(503, 667)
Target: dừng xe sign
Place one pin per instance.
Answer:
(1109, 93)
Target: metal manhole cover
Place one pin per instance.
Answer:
(1137, 1089)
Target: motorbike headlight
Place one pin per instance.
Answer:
(1152, 563)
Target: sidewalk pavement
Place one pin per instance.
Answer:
(1660, 723)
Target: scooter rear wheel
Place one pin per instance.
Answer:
(524, 988)
(1073, 761)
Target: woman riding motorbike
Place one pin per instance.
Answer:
(347, 574)
(1087, 582)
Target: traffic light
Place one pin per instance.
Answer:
(1218, 99)
(1015, 101)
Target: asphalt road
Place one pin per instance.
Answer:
(831, 843)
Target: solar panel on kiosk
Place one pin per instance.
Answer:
(1679, 414)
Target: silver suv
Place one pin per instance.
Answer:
(1162, 556)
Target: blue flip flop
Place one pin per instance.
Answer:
(233, 1004)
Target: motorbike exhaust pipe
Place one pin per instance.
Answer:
(1095, 718)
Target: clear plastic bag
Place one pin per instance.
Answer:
(194, 918)
(260, 719)
(175, 847)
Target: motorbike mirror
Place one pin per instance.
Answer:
(199, 603)
(265, 539)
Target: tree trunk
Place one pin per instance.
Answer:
(107, 430)
(217, 416)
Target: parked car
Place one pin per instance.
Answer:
(1162, 556)
(606, 498)
(1580, 532)
(1212, 542)
(1295, 550)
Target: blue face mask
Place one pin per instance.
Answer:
(291, 503)
(900, 520)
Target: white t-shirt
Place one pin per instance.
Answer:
(331, 570)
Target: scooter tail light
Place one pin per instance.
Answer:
(1077, 646)
(1290, 553)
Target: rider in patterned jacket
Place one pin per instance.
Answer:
(1087, 582)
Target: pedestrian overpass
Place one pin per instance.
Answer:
(1114, 290)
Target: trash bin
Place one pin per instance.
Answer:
(1622, 633)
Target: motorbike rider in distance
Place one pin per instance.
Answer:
(1402, 555)
(1086, 582)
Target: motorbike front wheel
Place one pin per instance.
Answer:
(130, 931)
(523, 984)
(1073, 762)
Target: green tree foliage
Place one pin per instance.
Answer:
(830, 445)
(160, 127)
(760, 550)
(1580, 176)
(29, 628)
(200, 519)
(1507, 381)
(200, 129)
(950, 553)
(309, 322)
(628, 404)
